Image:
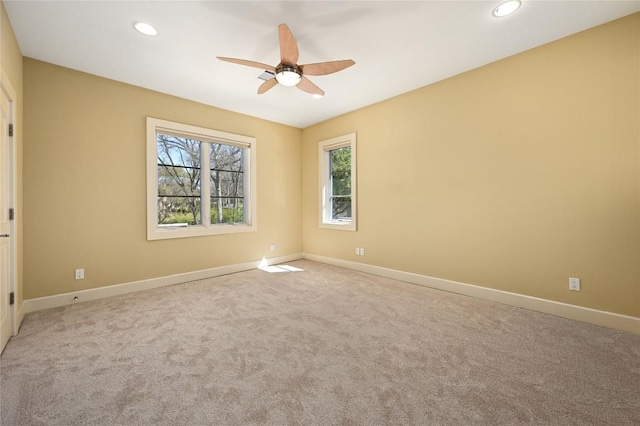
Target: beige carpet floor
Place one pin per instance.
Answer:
(320, 346)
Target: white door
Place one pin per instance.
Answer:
(6, 263)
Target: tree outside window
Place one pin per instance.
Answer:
(179, 181)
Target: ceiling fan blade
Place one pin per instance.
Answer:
(267, 85)
(324, 68)
(307, 86)
(248, 63)
(288, 46)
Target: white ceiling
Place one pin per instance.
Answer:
(397, 46)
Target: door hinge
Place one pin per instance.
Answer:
(10, 129)
(12, 298)
(12, 214)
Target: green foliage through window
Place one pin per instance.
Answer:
(340, 166)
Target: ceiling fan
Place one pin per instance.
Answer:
(288, 72)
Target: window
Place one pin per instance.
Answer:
(338, 183)
(200, 181)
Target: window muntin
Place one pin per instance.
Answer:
(338, 183)
(183, 199)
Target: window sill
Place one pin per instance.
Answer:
(339, 225)
(165, 233)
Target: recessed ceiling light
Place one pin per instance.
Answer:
(506, 8)
(317, 96)
(145, 28)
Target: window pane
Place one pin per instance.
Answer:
(340, 208)
(178, 181)
(227, 210)
(341, 171)
(176, 151)
(179, 211)
(226, 157)
(227, 183)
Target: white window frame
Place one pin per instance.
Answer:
(324, 148)
(154, 232)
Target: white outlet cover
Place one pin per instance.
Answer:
(574, 284)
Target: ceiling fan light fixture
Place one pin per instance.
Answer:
(506, 8)
(288, 72)
(144, 28)
(288, 75)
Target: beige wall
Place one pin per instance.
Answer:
(513, 176)
(11, 65)
(85, 184)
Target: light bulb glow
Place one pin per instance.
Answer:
(288, 78)
(506, 8)
(317, 96)
(288, 75)
(145, 28)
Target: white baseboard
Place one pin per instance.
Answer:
(565, 310)
(48, 302)
(579, 313)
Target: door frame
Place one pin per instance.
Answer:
(7, 87)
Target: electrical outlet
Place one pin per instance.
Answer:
(361, 251)
(357, 251)
(272, 247)
(574, 284)
(79, 274)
